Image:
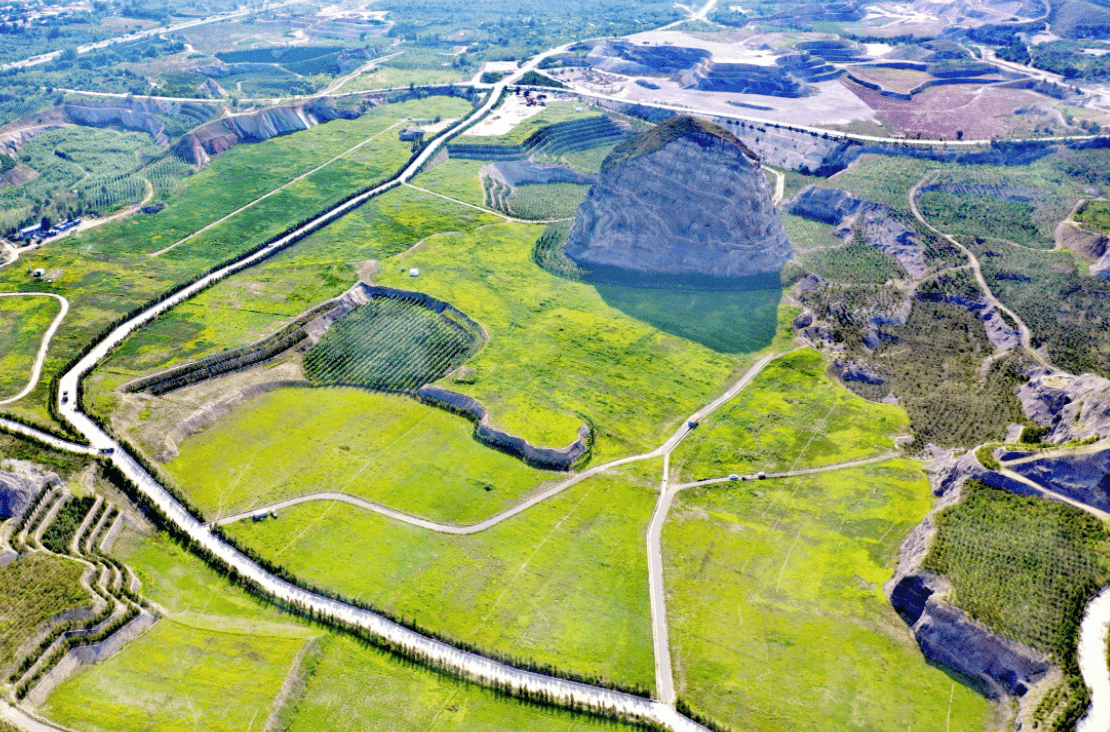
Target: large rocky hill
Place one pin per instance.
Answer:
(684, 204)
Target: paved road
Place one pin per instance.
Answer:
(46, 57)
(472, 665)
(36, 370)
(780, 185)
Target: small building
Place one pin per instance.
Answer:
(414, 272)
(411, 134)
(28, 232)
(38, 272)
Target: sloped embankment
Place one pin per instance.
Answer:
(383, 339)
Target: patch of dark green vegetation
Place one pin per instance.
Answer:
(967, 216)
(63, 528)
(1095, 215)
(391, 345)
(659, 136)
(534, 78)
(931, 363)
(65, 464)
(1027, 568)
(858, 262)
(1068, 312)
(548, 252)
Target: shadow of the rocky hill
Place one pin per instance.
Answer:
(725, 321)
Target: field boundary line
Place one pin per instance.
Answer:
(279, 189)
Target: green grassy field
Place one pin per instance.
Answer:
(388, 449)
(180, 676)
(354, 689)
(791, 416)
(106, 272)
(339, 684)
(1096, 215)
(558, 354)
(458, 179)
(565, 582)
(771, 629)
(23, 321)
(33, 589)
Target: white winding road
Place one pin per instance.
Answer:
(36, 370)
(472, 665)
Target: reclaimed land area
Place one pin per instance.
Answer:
(789, 576)
(563, 583)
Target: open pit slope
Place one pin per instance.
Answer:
(682, 204)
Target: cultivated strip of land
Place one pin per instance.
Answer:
(36, 370)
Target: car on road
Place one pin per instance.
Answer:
(734, 476)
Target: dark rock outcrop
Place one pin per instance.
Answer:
(1083, 477)
(950, 637)
(545, 458)
(1072, 407)
(20, 485)
(683, 204)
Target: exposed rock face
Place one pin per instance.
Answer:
(200, 145)
(1074, 407)
(20, 485)
(515, 173)
(683, 204)
(134, 114)
(949, 636)
(623, 57)
(1083, 477)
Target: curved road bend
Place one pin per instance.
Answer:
(1092, 662)
(470, 664)
(36, 370)
(1023, 329)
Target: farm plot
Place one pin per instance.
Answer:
(550, 201)
(384, 448)
(791, 416)
(1026, 567)
(809, 234)
(1021, 564)
(33, 589)
(585, 359)
(855, 262)
(563, 583)
(79, 169)
(780, 589)
(458, 179)
(391, 345)
(23, 321)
